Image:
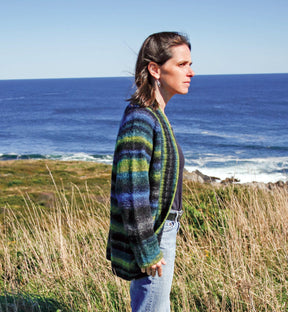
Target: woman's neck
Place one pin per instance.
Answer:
(161, 98)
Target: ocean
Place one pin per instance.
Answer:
(228, 125)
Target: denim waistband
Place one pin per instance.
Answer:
(175, 215)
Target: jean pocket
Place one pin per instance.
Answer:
(170, 225)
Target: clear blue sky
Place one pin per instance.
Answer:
(96, 38)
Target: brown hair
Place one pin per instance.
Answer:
(156, 48)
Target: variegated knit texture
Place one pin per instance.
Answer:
(143, 185)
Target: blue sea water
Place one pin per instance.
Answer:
(227, 125)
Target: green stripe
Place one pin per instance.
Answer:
(117, 228)
(122, 262)
(135, 138)
(138, 165)
(165, 164)
(157, 153)
(156, 177)
(165, 161)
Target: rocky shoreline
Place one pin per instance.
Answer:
(199, 177)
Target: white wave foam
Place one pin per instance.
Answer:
(107, 159)
(77, 156)
(246, 170)
(83, 157)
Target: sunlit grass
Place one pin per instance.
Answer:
(231, 254)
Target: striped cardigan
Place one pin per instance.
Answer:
(143, 185)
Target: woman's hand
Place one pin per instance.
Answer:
(154, 268)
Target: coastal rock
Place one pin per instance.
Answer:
(270, 186)
(230, 180)
(197, 176)
(278, 184)
(259, 185)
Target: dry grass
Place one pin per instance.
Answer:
(232, 252)
(239, 262)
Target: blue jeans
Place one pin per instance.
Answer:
(152, 294)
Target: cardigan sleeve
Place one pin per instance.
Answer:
(134, 149)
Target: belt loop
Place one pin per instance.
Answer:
(177, 214)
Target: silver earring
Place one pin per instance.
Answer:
(158, 83)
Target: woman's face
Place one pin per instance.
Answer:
(176, 73)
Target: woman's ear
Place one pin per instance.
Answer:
(154, 70)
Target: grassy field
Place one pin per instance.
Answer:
(54, 219)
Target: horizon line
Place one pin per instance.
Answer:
(101, 77)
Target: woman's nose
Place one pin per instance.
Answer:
(191, 72)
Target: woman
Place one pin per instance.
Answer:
(147, 175)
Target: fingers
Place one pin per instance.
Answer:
(155, 268)
(160, 271)
(159, 266)
(147, 270)
(151, 271)
(163, 261)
